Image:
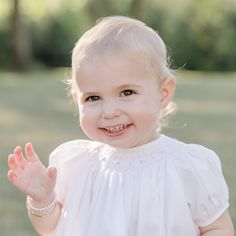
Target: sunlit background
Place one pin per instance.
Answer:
(36, 39)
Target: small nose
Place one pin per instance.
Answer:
(110, 109)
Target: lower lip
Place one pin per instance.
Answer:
(118, 133)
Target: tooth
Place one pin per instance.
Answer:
(116, 128)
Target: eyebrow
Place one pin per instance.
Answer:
(87, 94)
(122, 87)
(136, 86)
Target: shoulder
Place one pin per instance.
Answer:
(78, 149)
(199, 169)
(187, 155)
(203, 183)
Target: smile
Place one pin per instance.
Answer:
(116, 128)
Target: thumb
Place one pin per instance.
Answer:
(52, 174)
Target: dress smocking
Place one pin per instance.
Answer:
(162, 188)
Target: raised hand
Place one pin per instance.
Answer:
(30, 176)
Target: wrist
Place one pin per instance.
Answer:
(42, 202)
(40, 209)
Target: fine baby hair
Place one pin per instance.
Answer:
(117, 35)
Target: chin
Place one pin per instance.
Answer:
(121, 144)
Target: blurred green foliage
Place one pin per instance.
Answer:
(54, 39)
(200, 35)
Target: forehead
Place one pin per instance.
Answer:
(114, 70)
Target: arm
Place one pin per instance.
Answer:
(221, 227)
(46, 224)
(30, 176)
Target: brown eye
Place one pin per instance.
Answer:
(127, 92)
(92, 99)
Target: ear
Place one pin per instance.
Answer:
(167, 91)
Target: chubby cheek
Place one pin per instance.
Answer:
(88, 121)
(147, 115)
(149, 120)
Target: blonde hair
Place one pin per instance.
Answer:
(119, 34)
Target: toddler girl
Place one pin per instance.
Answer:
(131, 180)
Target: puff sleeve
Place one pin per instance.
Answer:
(205, 186)
(55, 160)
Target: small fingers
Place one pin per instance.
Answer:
(30, 153)
(11, 176)
(14, 165)
(14, 179)
(19, 158)
(11, 162)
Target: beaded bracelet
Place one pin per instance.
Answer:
(34, 210)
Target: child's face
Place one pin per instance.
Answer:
(119, 102)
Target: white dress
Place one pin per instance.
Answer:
(162, 188)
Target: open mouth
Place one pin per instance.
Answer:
(116, 130)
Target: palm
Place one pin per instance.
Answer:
(33, 180)
(29, 174)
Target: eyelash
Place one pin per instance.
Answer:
(92, 99)
(124, 93)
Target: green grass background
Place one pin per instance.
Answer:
(34, 108)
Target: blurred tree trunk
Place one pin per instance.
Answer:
(20, 42)
(97, 9)
(100, 8)
(136, 8)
